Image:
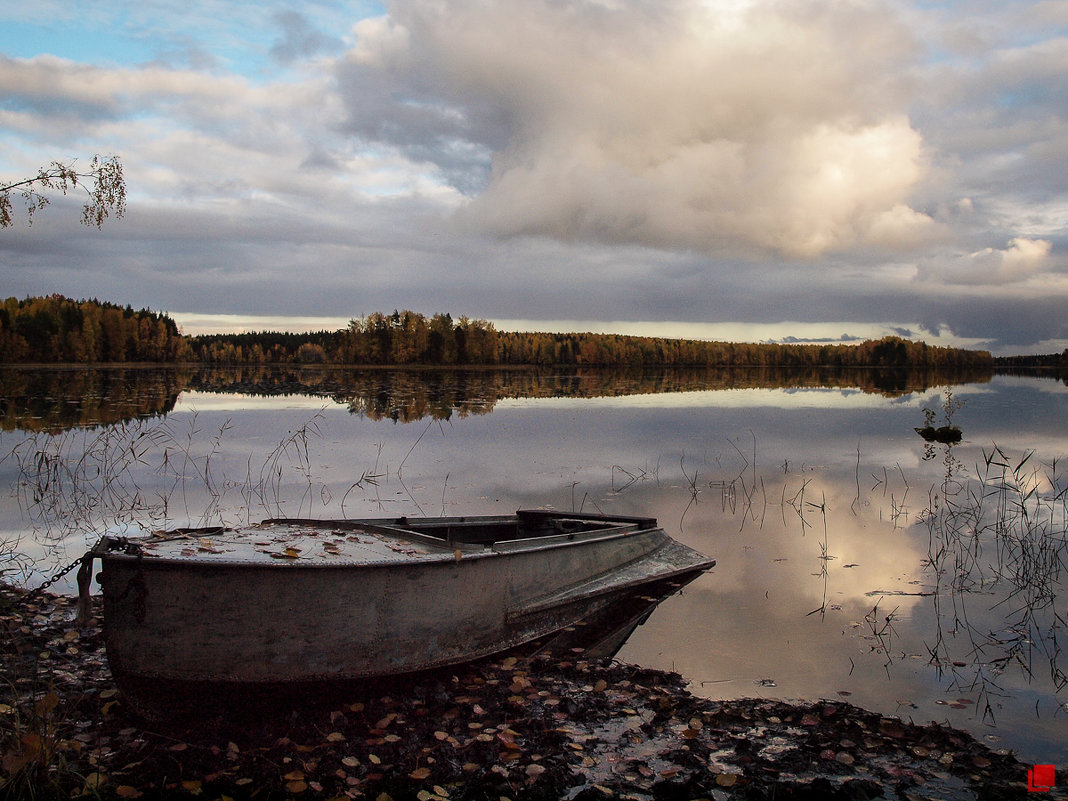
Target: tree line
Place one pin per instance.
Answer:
(409, 338)
(56, 329)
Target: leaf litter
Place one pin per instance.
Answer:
(528, 724)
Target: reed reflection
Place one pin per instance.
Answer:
(848, 562)
(898, 587)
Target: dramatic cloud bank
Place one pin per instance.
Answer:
(693, 161)
(683, 125)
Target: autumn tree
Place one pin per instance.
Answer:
(103, 182)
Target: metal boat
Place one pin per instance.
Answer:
(313, 600)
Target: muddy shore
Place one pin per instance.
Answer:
(538, 724)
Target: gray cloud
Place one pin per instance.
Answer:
(688, 161)
(670, 125)
(300, 39)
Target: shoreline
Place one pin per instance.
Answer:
(525, 724)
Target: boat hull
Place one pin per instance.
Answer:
(234, 622)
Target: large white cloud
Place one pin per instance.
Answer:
(747, 160)
(744, 125)
(1024, 259)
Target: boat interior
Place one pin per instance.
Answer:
(522, 526)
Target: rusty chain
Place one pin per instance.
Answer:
(113, 544)
(49, 582)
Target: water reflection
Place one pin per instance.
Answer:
(848, 562)
(54, 399)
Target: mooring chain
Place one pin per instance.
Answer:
(48, 583)
(113, 544)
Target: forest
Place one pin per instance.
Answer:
(56, 329)
(409, 338)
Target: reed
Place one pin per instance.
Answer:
(149, 475)
(998, 531)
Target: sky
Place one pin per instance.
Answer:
(756, 170)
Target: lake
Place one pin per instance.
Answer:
(856, 561)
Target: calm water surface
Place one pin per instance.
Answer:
(856, 561)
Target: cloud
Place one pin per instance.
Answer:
(752, 161)
(1022, 260)
(748, 126)
(300, 39)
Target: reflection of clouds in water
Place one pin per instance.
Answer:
(746, 620)
(724, 399)
(778, 548)
(1034, 384)
(194, 401)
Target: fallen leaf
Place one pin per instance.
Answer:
(419, 774)
(891, 728)
(294, 776)
(47, 704)
(296, 787)
(335, 737)
(126, 791)
(192, 786)
(95, 780)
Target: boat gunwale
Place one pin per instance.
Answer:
(446, 553)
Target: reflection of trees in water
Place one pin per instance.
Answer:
(408, 395)
(53, 399)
